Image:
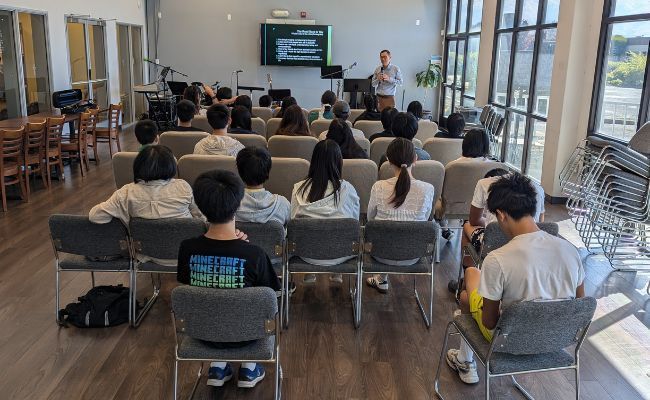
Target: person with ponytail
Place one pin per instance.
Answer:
(400, 198)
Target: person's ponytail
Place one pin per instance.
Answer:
(401, 154)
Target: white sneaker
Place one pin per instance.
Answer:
(309, 278)
(378, 282)
(336, 278)
(466, 370)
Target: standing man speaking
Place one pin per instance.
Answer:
(385, 80)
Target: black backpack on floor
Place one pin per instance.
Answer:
(102, 306)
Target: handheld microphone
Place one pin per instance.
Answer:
(353, 65)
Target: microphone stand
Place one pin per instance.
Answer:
(237, 78)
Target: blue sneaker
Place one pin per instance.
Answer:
(248, 378)
(218, 376)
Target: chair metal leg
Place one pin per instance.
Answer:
(427, 321)
(278, 374)
(438, 247)
(520, 388)
(139, 316)
(196, 383)
(57, 298)
(487, 379)
(176, 379)
(577, 372)
(436, 382)
(287, 302)
(359, 299)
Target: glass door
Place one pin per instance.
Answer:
(36, 75)
(129, 48)
(10, 104)
(87, 59)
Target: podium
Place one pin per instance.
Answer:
(356, 86)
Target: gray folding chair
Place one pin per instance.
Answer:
(159, 239)
(193, 165)
(324, 239)
(249, 140)
(426, 130)
(181, 143)
(123, 167)
(80, 245)
(443, 149)
(355, 113)
(362, 174)
(402, 240)
(369, 128)
(530, 337)
(264, 113)
(272, 126)
(203, 315)
(292, 146)
(201, 122)
(285, 173)
(258, 125)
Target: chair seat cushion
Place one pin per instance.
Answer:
(74, 261)
(153, 267)
(503, 363)
(296, 264)
(261, 349)
(372, 265)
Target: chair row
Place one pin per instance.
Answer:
(266, 113)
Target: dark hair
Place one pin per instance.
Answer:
(240, 117)
(293, 122)
(415, 108)
(286, 103)
(244, 100)
(476, 143)
(405, 125)
(154, 163)
(218, 194)
(218, 116)
(513, 194)
(185, 110)
(223, 93)
(385, 51)
(455, 124)
(328, 97)
(340, 132)
(387, 116)
(193, 94)
(401, 153)
(265, 101)
(325, 167)
(254, 165)
(146, 131)
(370, 102)
(496, 172)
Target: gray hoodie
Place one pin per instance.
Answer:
(219, 145)
(262, 206)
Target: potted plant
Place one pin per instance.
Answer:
(429, 78)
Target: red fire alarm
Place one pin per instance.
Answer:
(303, 14)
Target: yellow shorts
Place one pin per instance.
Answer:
(476, 308)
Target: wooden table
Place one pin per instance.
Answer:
(15, 123)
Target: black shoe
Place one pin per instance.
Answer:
(452, 286)
(447, 234)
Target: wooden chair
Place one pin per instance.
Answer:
(110, 133)
(76, 147)
(34, 151)
(11, 162)
(53, 129)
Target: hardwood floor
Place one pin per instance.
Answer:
(392, 355)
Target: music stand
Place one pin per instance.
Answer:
(331, 72)
(177, 87)
(279, 94)
(354, 86)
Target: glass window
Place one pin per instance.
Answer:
(451, 60)
(543, 74)
(447, 102)
(528, 15)
(630, 7)
(507, 14)
(467, 102)
(476, 16)
(536, 156)
(460, 60)
(10, 104)
(551, 11)
(462, 25)
(522, 69)
(471, 65)
(35, 63)
(451, 27)
(502, 68)
(97, 59)
(516, 135)
(138, 68)
(77, 49)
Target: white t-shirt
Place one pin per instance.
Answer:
(532, 266)
(416, 207)
(481, 195)
(464, 160)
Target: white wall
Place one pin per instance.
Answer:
(196, 38)
(124, 11)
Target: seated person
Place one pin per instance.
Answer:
(534, 265)
(146, 131)
(244, 100)
(185, 111)
(218, 194)
(240, 120)
(387, 116)
(476, 147)
(293, 123)
(371, 113)
(455, 127)
(406, 126)
(327, 101)
(286, 103)
(341, 111)
(324, 194)
(400, 198)
(259, 205)
(218, 143)
(265, 101)
(193, 93)
(341, 133)
(415, 108)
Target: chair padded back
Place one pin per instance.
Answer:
(355, 113)
(429, 171)
(319, 125)
(426, 130)
(249, 140)
(123, 167)
(267, 236)
(285, 173)
(292, 146)
(258, 125)
(272, 126)
(378, 147)
(75, 234)
(161, 238)
(193, 165)
(364, 144)
(401, 240)
(264, 113)
(362, 174)
(369, 128)
(494, 237)
(182, 143)
(641, 140)
(460, 182)
(224, 315)
(323, 239)
(444, 150)
(537, 327)
(201, 122)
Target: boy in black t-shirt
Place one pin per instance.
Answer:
(221, 259)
